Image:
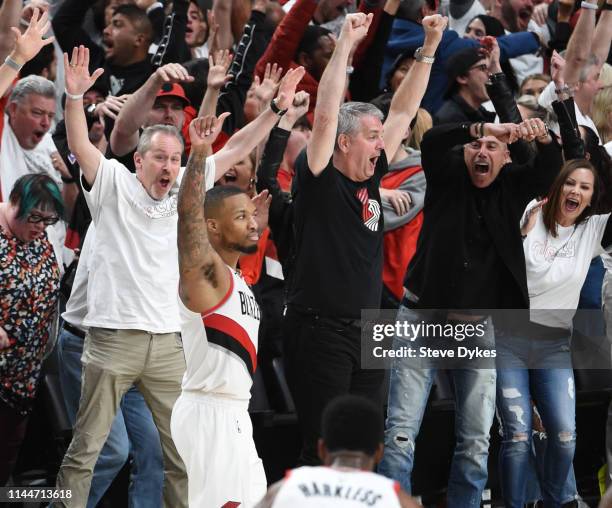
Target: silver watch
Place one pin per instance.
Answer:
(420, 57)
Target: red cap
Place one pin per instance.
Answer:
(174, 90)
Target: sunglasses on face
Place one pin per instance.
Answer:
(47, 221)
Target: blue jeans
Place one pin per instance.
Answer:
(554, 394)
(133, 430)
(474, 408)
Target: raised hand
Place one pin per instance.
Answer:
(297, 110)
(557, 67)
(28, 44)
(355, 27)
(76, 71)
(434, 28)
(28, 11)
(540, 13)
(173, 73)
(112, 106)
(286, 90)
(262, 209)
(265, 90)
(490, 48)
(531, 216)
(217, 69)
(203, 131)
(213, 32)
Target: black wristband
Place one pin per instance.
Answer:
(606, 7)
(275, 109)
(68, 180)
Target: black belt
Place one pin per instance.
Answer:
(73, 330)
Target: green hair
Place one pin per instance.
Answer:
(40, 190)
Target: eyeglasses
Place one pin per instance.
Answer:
(480, 67)
(47, 221)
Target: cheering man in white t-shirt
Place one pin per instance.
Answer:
(132, 315)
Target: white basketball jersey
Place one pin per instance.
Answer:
(221, 345)
(334, 488)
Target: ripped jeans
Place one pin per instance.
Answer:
(553, 391)
(474, 412)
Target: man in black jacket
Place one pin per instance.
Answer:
(469, 256)
(468, 73)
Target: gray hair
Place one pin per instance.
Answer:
(591, 61)
(350, 115)
(144, 143)
(32, 85)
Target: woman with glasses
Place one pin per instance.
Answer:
(29, 289)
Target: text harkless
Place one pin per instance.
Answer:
(366, 496)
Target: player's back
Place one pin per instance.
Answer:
(325, 487)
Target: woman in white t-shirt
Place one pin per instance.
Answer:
(561, 236)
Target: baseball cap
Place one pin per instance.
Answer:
(459, 64)
(174, 90)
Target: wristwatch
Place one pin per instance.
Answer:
(275, 109)
(420, 57)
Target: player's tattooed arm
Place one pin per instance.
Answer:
(198, 262)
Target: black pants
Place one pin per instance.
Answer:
(322, 361)
(13, 427)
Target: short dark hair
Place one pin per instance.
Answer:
(352, 423)
(215, 197)
(138, 18)
(35, 190)
(39, 63)
(310, 40)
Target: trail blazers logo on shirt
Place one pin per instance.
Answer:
(370, 209)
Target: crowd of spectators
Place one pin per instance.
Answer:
(441, 161)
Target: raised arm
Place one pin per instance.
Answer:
(331, 92)
(216, 79)
(204, 278)
(579, 46)
(78, 81)
(408, 96)
(246, 139)
(124, 136)
(603, 34)
(10, 11)
(26, 47)
(223, 16)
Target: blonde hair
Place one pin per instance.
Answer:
(423, 123)
(602, 105)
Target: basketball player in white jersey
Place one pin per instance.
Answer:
(210, 423)
(351, 445)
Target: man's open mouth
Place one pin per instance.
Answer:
(164, 182)
(525, 14)
(481, 168)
